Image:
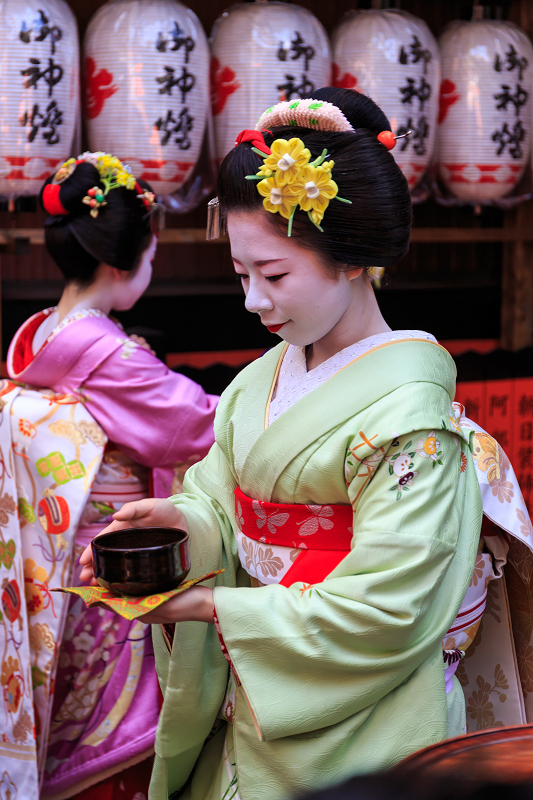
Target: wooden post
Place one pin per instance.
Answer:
(517, 266)
(517, 282)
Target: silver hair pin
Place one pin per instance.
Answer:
(216, 220)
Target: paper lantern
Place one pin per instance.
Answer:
(263, 53)
(146, 68)
(39, 91)
(484, 135)
(392, 57)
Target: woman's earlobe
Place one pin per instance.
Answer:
(354, 273)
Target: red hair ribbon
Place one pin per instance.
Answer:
(256, 140)
(51, 202)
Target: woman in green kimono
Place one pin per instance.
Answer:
(340, 496)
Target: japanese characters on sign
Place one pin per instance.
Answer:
(45, 117)
(39, 86)
(415, 93)
(296, 84)
(176, 125)
(511, 134)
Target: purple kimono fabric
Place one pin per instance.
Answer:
(106, 703)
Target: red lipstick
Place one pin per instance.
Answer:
(275, 328)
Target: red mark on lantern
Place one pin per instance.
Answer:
(98, 88)
(344, 81)
(223, 84)
(447, 97)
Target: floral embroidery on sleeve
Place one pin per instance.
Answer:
(401, 466)
(402, 463)
(429, 448)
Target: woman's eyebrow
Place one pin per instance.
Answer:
(263, 263)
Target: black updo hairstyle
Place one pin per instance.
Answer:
(371, 232)
(118, 236)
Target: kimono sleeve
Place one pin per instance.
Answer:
(154, 415)
(311, 657)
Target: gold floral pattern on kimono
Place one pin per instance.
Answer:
(492, 460)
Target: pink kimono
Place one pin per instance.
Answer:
(158, 422)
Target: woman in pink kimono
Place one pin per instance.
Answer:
(157, 423)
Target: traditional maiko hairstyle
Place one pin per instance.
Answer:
(373, 229)
(115, 229)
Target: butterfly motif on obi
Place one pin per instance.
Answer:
(273, 520)
(318, 519)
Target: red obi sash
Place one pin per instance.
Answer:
(322, 533)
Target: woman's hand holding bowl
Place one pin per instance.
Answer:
(151, 512)
(194, 605)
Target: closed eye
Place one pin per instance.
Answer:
(274, 278)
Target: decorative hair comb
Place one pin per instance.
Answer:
(113, 175)
(288, 180)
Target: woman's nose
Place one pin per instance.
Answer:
(257, 300)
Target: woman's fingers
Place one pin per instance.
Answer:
(150, 512)
(133, 511)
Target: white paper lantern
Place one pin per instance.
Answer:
(39, 91)
(146, 68)
(392, 57)
(484, 135)
(263, 53)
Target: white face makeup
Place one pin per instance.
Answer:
(286, 284)
(131, 288)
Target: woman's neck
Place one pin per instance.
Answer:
(362, 319)
(75, 298)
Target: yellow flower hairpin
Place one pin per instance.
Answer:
(288, 180)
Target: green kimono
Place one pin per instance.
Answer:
(345, 677)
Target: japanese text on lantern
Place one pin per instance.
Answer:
(296, 85)
(42, 75)
(510, 98)
(175, 83)
(415, 93)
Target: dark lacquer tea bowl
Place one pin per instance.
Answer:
(141, 561)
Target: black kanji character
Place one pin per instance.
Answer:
(499, 401)
(510, 138)
(185, 82)
(290, 88)
(517, 99)
(47, 122)
(473, 407)
(417, 53)
(422, 92)
(513, 60)
(525, 456)
(526, 431)
(181, 126)
(175, 40)
(51, 74)
(502, 437)
(525, 405)
(419, 134)
(300, 48)
(41, 26)
(525, 480)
